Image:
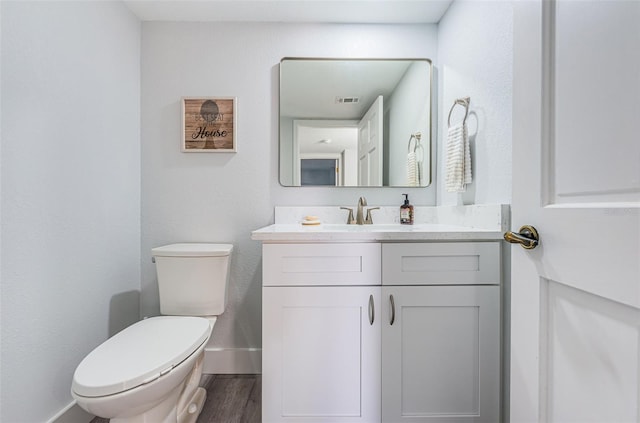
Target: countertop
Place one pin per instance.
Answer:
(447, 223)
(372, 233)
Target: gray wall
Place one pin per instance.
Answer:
(409, 113)
(70, 193)
(223, 197)
(475, 48)
(91, 109)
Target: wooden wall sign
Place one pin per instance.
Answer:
(209, 124)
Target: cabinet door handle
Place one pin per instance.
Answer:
(393, 310)
(372, 310)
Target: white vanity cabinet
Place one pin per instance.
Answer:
(381, 332)
(441, 332)
(321, 333)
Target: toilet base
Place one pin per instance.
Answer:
(164, 412)
(194, 407)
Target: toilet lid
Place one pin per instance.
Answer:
(139, 354)
(193, 250)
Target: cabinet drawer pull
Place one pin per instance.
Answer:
(393, 310)
(372, 310)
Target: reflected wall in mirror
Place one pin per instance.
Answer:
(355, 122)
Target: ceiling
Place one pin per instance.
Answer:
(334, 79)
(317, 11)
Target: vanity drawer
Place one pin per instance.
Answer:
(321, 264)
(446, 263)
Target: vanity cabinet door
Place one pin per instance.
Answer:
(441, 354)
(321, 354)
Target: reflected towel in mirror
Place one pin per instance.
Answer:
(412, 170)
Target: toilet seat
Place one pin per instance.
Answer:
(139, 354)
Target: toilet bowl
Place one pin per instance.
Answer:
(149, 372)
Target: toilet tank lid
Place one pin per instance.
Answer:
(138, 354)
(192, 250)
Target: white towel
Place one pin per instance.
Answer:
(412, 170)
(458, 158)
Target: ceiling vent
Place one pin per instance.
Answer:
(347, 100)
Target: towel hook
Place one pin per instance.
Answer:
(464, 102)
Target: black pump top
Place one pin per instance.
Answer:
(406, 199)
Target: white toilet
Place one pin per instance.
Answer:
(150, 371)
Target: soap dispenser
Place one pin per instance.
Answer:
(406, 211)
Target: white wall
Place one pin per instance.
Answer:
(78, 92)
(223, 197)
(409, 113)
(70, 193)
(475, 52)
(0, 209)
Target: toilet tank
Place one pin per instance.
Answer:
(193, 278)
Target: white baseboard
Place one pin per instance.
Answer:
(232, 361)
(72, 413)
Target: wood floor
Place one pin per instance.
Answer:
(230, 399)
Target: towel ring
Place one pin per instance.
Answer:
(464, 102)
(416, 144)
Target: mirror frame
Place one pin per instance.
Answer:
(427, 139)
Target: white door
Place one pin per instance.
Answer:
(370, 146)
(575, 300)
(321, 354)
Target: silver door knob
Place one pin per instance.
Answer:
(527, 237)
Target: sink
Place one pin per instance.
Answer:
(341, 232)
(384, 227)
(390, 227)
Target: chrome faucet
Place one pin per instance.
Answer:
(369, 219)
(359, 214)
(360, 219)
(350, 219)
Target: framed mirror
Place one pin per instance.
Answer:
(355, 122)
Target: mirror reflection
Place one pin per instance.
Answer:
(355, 122)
